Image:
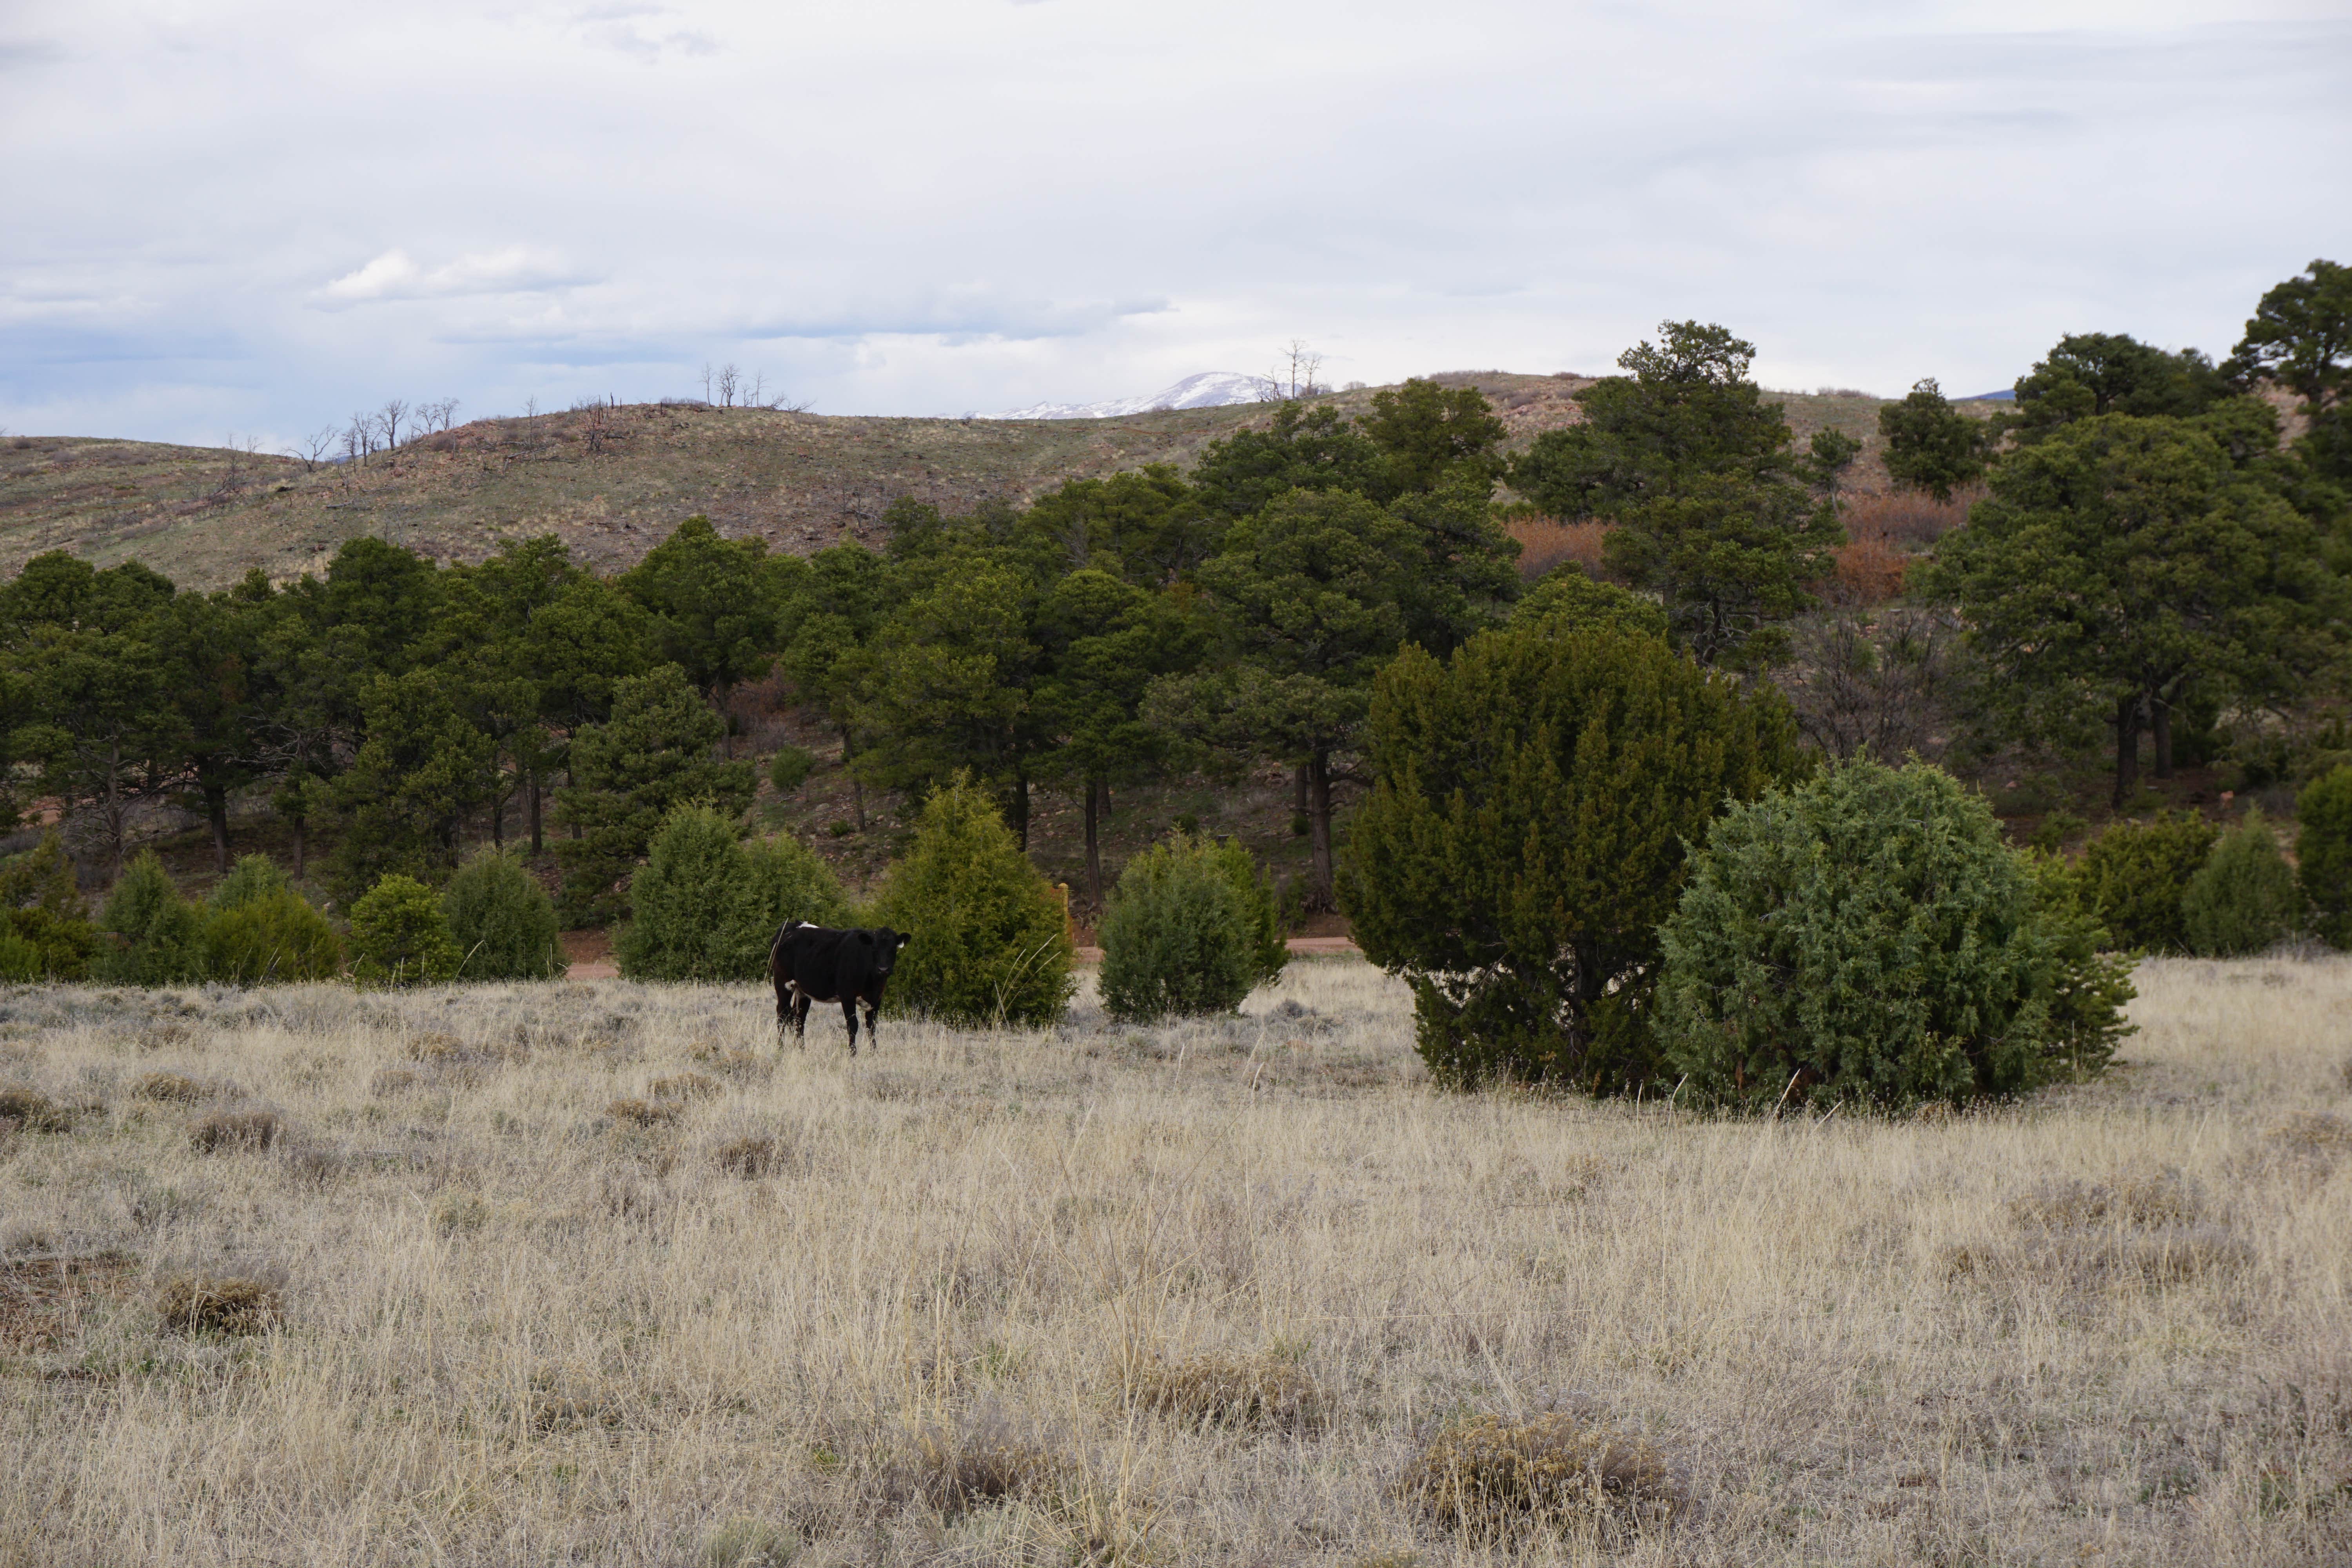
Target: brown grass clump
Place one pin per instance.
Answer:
(33, 1111)
(2315, 1133)
(752, 1156)
(991, 1459)
(217, 1303)
(177, 1089)
(684, 1086)
(1232, 1390)
(393, 1081)
(1544, 543)
(1493, 1476)
(2143, 1201)
(750, 1543)
(642, 1112)
(227, 1131)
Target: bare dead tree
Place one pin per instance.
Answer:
(751, 399)
(1295, 373)
(1881, 681)
(531, 412)
(388, 420)
(312, 449)
(433, 417)
(707, 374)
(728, 378)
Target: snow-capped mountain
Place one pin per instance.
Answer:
(1210, 389)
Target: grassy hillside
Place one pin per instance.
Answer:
(612, 483)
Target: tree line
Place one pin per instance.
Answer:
(2150, 553)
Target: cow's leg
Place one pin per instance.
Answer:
(873, 1035)
(784, 1014)
(800, 1019)
(849, 1017)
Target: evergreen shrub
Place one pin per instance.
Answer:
(45, 935)
(1868, 936)
(1525, 835)
(254, 877)
(502, 921)
(272, 937)
(2134, 874)
(399, 935)
(708, 906)
(1187, 930)
(2244, 899)
(791, 768)
(152, 936)
(991, 940)
(2323, 854)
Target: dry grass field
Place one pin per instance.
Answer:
(588, 1273)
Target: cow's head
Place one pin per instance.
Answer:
(886, 943)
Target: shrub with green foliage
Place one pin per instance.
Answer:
(2244, 898)
(708, 905)
(1525, 836)
(150, 935)
(2087, 983)
(992, 943)
(271, 937)
(1868, 936)
(2323, 854)
(791, 768)
(253, 878)
(2134, 874)
(45, 936)
(502, 921)
(399, 935)
(1187, 931)
(1567, 600)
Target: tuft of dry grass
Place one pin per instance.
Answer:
(195, 1303)
(1243, 1391)
(1495, 1477)
(178, 1087)
(642, 1112)
(228, 1131)
(989, 1457)
(33, 1111)
(750, 1156)
(683, 1087)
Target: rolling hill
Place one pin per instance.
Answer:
(612, 481)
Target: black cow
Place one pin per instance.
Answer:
(812, 963)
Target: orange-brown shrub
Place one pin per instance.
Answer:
(1544, 543)
(1869, 571)
(1905, 517)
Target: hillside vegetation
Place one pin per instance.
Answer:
(612, 482)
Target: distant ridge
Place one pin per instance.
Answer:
(1210, 389)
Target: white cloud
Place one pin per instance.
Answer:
(394, 276)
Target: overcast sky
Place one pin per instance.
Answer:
(255, 217)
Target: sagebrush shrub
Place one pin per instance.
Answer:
(502, 921)
(991, 940)
(1183, 934)
(150, 934)
(2323, 854)
(706, 906)
(273, 937)
(2133, 877)
(399, 935)
(2244, 898)
(1865, 936)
